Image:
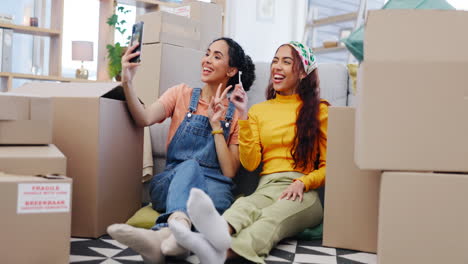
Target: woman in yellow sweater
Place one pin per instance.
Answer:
(288, 135)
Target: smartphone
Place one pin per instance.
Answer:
(137, 36)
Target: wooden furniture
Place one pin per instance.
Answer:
(357, 17)
(55, 34)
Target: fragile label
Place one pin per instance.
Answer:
(43, 198)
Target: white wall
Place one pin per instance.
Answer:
(260, 39)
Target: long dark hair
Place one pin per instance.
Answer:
(307, 123)
(238, 59)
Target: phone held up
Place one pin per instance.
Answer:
(137, 36)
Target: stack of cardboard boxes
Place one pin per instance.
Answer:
(35, 194)
(174, 42)
(410, 124)
(93, 128)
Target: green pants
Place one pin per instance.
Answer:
(260, 220)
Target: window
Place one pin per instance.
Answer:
(80, 22)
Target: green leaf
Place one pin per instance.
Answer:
(120, 8)
(112, 20)
(122, 22)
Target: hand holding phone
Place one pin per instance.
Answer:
(137, 36)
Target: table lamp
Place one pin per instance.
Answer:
(82, 51)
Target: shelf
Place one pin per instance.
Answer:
(32, 30)
(324, 50)
(333, 19)
(40, 77)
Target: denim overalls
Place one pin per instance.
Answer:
(192, 162)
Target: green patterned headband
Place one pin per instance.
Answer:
(306, 54)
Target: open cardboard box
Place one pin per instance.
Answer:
(104, 149)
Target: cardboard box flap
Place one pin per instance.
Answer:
(117, 94)
(50, 151)
(401, 35)
(81, 90)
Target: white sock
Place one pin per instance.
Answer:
(170, 247)
(145, 242)
(198, 244)
(207, 220)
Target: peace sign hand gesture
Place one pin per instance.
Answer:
(216, 108)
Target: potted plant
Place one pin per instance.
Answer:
(115, 52)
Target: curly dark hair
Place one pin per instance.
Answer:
(241, 61)
(307, 123)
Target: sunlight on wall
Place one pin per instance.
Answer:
(459, 4)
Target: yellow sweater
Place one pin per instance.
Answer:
(268, 134)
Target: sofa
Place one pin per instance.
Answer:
(335, 87)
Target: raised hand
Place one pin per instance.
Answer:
(216, 108)
(129, 68)
(240, 99)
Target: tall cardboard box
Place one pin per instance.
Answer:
(163, 27)
(25, 119)
(104, 148)
(32, 160)
(423, 218)
(163, 66)
(36, 216)
(351, 194)
(209, 15)
(413, 92)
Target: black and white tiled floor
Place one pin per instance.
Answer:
(105, 250)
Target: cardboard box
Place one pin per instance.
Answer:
(25, 119)
(209, 15)
(32, 160)
(164, 66)
(163, 27)
(413, 92)
(423, 218)
(35, 219)
(104, 149)
(351, 194)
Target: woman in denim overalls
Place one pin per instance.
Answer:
(201, 153)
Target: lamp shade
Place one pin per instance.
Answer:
(82, 50)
